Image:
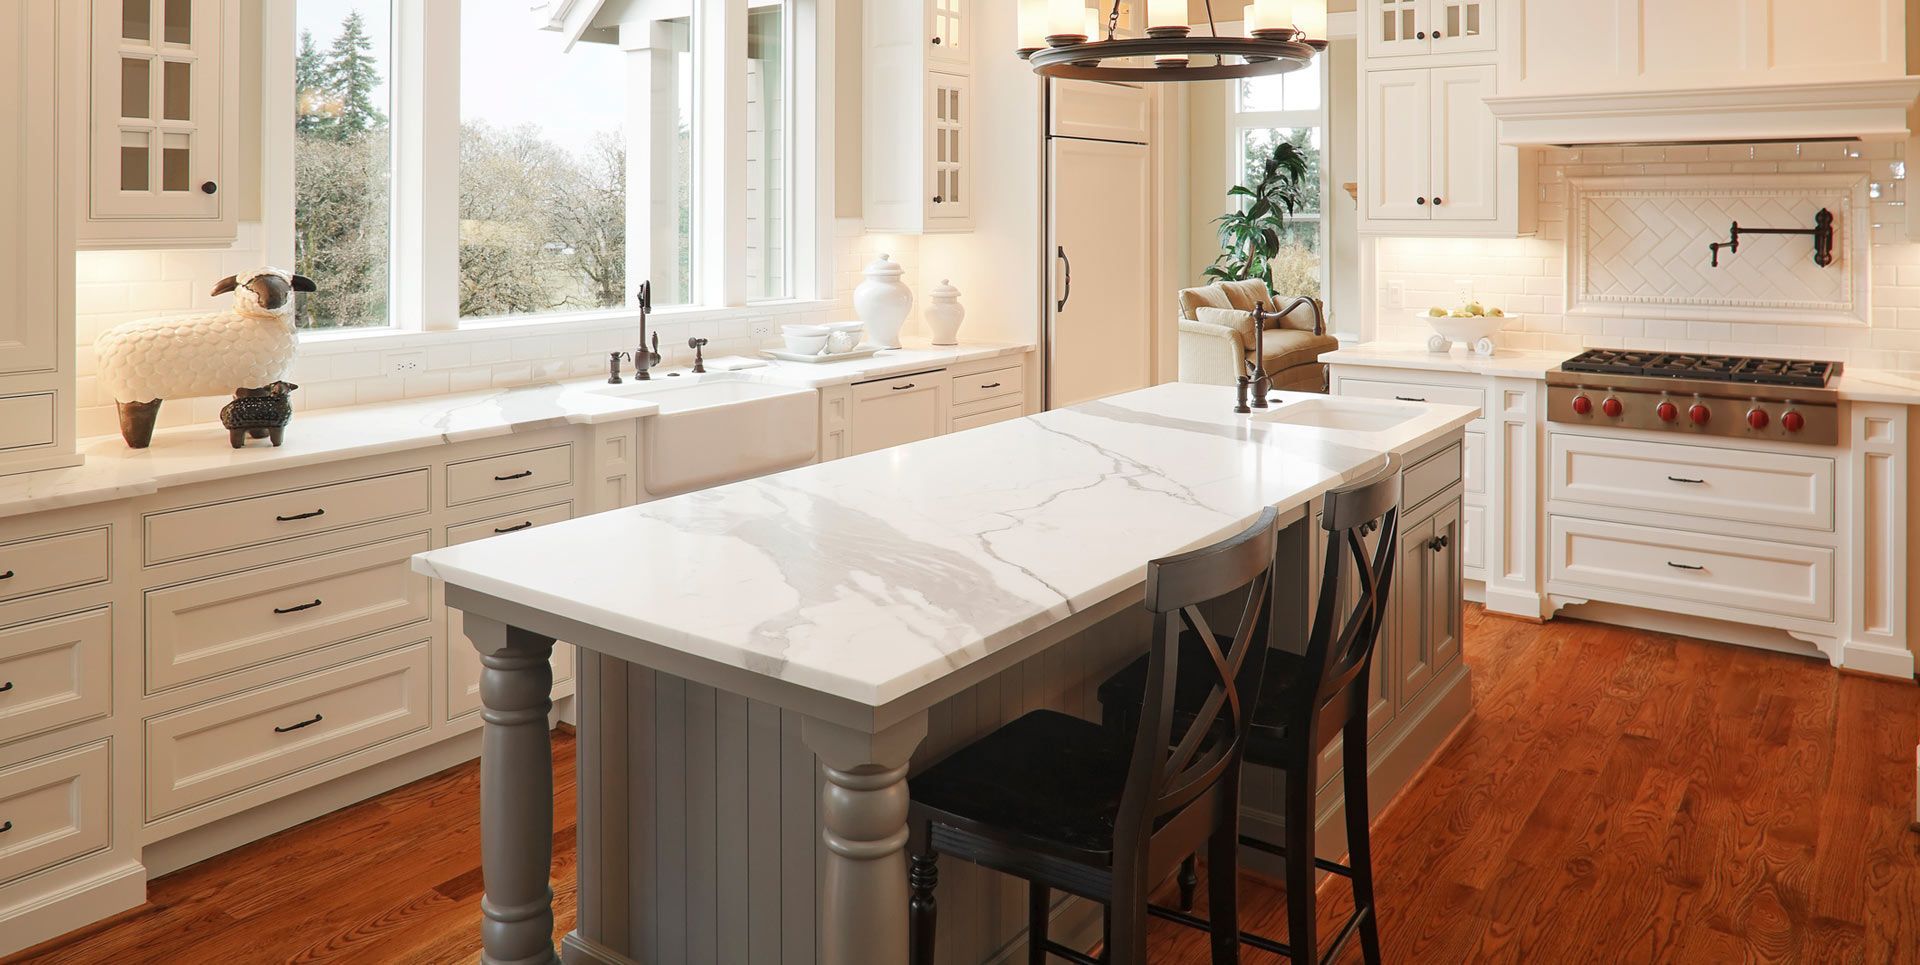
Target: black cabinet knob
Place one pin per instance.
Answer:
(937, 199)
(1420, 200)
(1437, 35)
(1437, 202)
(936, 41)
(1422, 35)
(209, 187)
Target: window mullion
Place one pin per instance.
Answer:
(720, 216)
(426, 196)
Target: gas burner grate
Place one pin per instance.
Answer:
(1709, 368)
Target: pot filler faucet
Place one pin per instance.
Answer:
(644, 359)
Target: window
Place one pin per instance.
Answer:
(342, 161)
(767, 126)
(1290, 108)
(578, 149)
(543, 168)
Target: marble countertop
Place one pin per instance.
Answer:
(200, 453)
(1878, 385)
(869, 577)
(1508, 363)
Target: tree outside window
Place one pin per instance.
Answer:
(342, 162)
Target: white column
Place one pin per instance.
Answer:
(720, 155)
(426, 175)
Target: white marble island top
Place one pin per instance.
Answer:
(869, 577)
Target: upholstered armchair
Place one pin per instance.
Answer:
(1217, 337)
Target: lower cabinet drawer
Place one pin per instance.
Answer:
(1759, 576)
(215, 749)
(997, 384)
(54, 673)
(48, 563)
(55, 809)
(515, 472)
(1473, 541)
(1429, 477)
(226, 623)
(961, 423)
(1771, 488)
(1415, 392)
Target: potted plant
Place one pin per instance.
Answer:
(1250, 234)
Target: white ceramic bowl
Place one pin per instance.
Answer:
(805, 344)
(804, 330)
(855, 327)
(1475, 331)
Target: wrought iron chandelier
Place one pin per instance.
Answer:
(1065, 38)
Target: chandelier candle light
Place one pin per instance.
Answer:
(1082, 42)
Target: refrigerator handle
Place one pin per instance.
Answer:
(1060, 252)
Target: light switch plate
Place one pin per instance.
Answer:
(1396, 294)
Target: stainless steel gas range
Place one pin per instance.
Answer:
(1778, 400)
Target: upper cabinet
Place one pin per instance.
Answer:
(918, 116)
(1399, 28)
(40, 61)
(1621, 46)
(163, 137)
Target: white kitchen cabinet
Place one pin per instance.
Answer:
(36, 243)
(1631, 46)
(1434, 162)
(1101, 331)
(950, 40)
(917, 117)
(1400, 28)
(164, 131)
(896, 411)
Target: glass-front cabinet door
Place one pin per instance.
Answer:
(1461, 25)
(947, 34)
(1395, 28)
(949, 143)
(161, 132)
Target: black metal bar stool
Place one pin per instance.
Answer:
(1072, 805)
(1305, 701)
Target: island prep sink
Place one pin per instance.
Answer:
(1342, 414)
(716, 431)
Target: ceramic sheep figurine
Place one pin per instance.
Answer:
(252, 346)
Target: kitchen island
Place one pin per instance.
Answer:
(764, 664)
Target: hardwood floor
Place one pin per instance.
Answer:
(1617, 796)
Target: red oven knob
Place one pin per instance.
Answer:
(1793, 421)
(1612, 408)
(1667, 411)
(1582, 405)
(1757, 418)
(1700, 414)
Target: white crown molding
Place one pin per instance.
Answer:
(1855, 109)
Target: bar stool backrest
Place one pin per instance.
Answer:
(1170, 771)
(1340, 646)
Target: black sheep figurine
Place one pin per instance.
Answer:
(262, 413)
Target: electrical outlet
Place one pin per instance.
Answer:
(761, 328)
(1396, 294)
(403, 363)
(1462, 291)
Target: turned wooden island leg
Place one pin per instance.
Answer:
(863, 820)
(516, 794)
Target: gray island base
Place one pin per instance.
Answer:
(758, 685)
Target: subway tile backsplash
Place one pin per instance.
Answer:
(1527, 275)
(119, 286)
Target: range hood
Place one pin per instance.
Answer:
(1855, 110)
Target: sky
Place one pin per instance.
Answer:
(509, 71)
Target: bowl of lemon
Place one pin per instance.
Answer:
(1472, 325)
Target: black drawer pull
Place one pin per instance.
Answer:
(6, 687)
(296, 516)
(515, 528)
(4, 828)
(902, 388)
(304, 723)
(991, 385)
(8, 575)
(1408, 398)
(1684, 566)
(1690, 482)
(1438, 543)
(522, 474)
(297, 609)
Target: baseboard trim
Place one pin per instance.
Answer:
(49, 916)
(1514, 603)
(578, 950)
(1877, 659)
